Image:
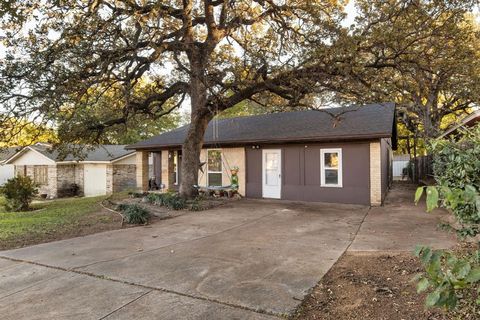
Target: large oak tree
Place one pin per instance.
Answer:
(65, 56)
(213, 54)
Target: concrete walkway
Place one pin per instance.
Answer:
(245, 260)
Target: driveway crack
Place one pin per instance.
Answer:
(126, 304)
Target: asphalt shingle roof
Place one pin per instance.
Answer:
(98, 153)
(355, 122)
(7, 153)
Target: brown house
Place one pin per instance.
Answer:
(340, 155)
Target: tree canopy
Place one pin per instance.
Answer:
(65, 59)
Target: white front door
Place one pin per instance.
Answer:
(272, 173)
(95, 179)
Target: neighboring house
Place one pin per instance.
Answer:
(301, 155)
(7, 171)
(466, 122)
(99, 171)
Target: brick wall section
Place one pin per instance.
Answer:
(142, 170)
(123, 177)
(65, 179)
(109, 187)
(375, 174)
(79, 178)
(19, 170)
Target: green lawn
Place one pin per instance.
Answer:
(57, 219)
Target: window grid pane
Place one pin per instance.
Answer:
(214, 168)
(331, 167)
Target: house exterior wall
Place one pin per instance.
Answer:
(123, 177)
(49, 189)
(7, 171)
(231, 157)
(387, 166)
(301, 173)
(141, 162)
(375, 174)
(32, 158)
(65, 178)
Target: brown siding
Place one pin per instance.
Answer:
(254, 172)
(301, 173)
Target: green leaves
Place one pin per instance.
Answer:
(418, 194)
(432, 197)
(445, 274)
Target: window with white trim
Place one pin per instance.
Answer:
(331, 167)
(214, 168)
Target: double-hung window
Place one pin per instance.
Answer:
(331, 167)
(214, 168)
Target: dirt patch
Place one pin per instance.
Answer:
(94, 222)
(369, 286)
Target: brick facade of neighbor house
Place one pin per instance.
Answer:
(375, 174)
(141, 174)
(109, 178)
(123, 177)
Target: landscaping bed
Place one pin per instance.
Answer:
(370, 286)
(168, 205)
(55, 220)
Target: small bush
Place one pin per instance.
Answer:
(134, 214)
(19, 193)
(170, 200)
(448, 277)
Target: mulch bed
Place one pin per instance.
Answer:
(369, 286)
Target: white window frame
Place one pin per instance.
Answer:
(175, 156)
(323, 168)
(221, 166)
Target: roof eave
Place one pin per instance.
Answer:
(270, 141)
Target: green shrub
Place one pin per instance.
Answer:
(19, 193)
(446, 275)
(170, 200)
(456, 167)
(449, 275)
(134, 214)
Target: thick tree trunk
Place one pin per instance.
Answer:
(200, 117)
(191, 153)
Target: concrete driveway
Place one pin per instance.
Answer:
(245, 260)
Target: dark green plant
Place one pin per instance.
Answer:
(456, 169)
(446, 275)
(19, 193)
(170, 200)
(134, 214)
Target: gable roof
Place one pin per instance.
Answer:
(356, 122)
(100, 153)
(7, 153)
